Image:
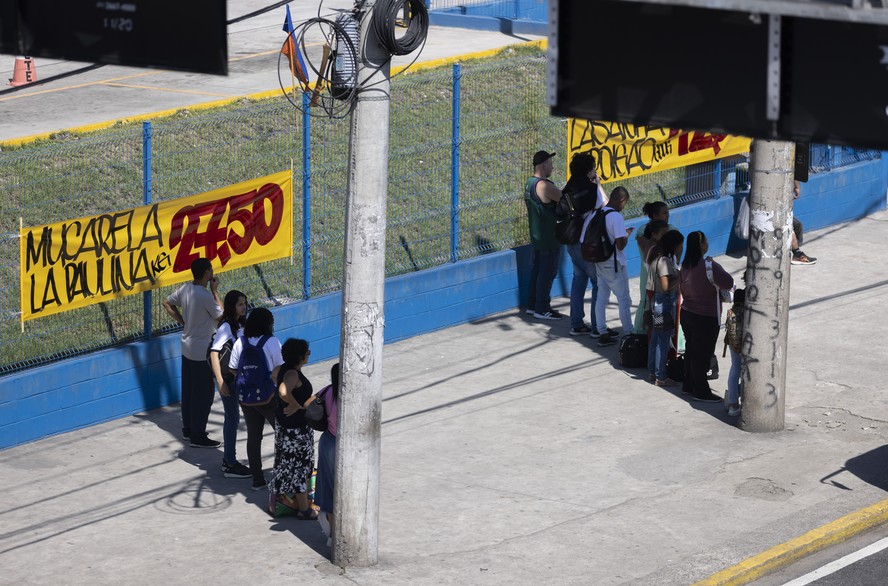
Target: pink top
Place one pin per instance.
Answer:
(332, 408)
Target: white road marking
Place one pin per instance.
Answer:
(837, 565)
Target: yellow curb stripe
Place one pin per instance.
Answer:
(784, 554)
(125, 77)
(431, 64)
(224, 102)
(86, 128)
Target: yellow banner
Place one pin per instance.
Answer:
(625, 150)
(79, 262)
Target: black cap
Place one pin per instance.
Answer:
(541, 157)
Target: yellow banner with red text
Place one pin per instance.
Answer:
(625, 150)
(88, 260)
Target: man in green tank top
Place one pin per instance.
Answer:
(541, 195)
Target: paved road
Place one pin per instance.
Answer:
(860, 561)
(253, 46)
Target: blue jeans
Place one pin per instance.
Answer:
(542, 275)
(229, 427)
(658, 348)
(733, 397)
(584, 271)
(618, 282)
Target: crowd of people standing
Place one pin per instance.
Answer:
(682, 288)
(268, 387)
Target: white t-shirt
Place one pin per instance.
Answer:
(272, 351)
(201, 314)
(615, 226)
(223, 334)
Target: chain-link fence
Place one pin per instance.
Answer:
(460, 144)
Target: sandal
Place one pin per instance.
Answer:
(308, 514)
(281, 505)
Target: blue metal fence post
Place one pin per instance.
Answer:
(454, 169)
(517, 10)
(718, 178)
(146, 199)
(306, 198)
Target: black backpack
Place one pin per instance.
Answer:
(224, 358)
(633, 351)
(675, 367)
(597, 246)
(569, 211)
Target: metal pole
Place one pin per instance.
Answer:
(766, 318)
(454, 169)
(356, 494)
(147, 322)
(306, 196)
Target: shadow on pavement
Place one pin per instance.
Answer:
(208, 491)
(869, 467)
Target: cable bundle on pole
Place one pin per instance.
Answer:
(385, 17)
(334, 74)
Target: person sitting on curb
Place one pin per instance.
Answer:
(734, 343)
(798, 257)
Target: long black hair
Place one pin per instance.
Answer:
(229, 311)
(260, 323)
(334, 381)
(693, 250)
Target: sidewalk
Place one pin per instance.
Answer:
(512, 454)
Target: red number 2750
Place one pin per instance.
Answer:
(200, 227)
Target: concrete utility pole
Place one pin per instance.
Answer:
(766, 319)
(356, 496)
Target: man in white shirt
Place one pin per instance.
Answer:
(612, 276)
(201, 310)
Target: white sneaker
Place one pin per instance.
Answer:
(325, 524)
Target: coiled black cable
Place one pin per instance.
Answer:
(385, 16)
(333, 104)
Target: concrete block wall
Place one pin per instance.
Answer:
(144, 375)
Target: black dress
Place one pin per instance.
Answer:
(293, 443)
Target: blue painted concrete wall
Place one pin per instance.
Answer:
(139, 376)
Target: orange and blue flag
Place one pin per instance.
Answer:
(291, 50)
